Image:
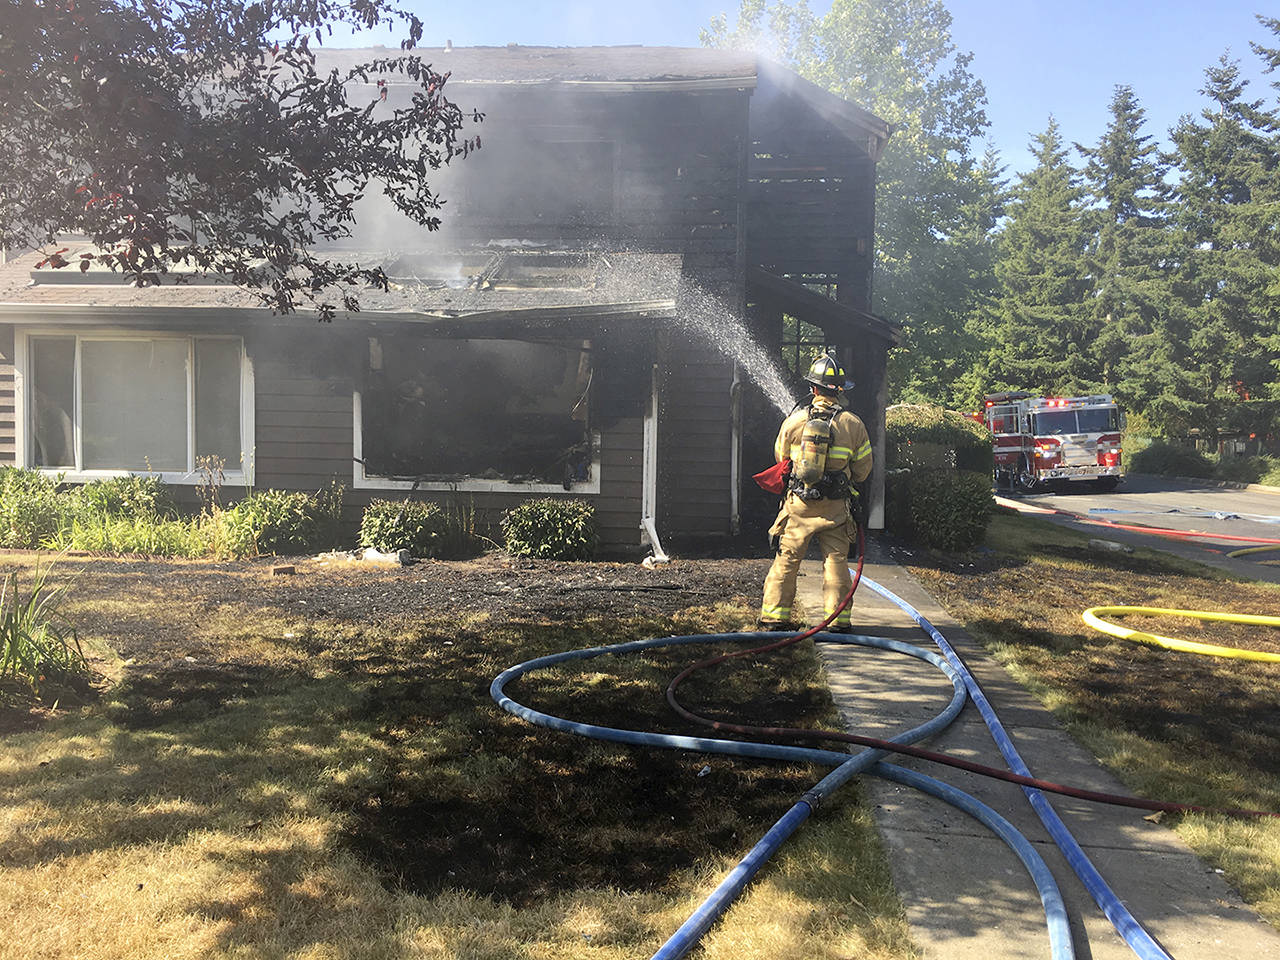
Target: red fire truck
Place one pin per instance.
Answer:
(1043, 439)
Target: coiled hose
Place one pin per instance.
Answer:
(846, 767)
(869, 760)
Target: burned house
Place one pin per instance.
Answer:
(554, 338)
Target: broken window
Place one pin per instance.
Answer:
(511, 410)
(802, 342)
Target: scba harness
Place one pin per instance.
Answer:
(809, 477)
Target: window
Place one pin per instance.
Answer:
(498, 411)
(802, 343)
(1004, 419)
(114, 403)
(1064, 422)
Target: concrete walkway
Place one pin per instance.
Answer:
(967, 896)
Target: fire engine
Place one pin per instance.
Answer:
(1043, 439)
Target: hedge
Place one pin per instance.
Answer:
(938, 478)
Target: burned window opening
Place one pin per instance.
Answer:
(452, 410)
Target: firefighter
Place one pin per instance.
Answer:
(829, 452)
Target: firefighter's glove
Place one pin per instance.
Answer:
(775, 543)
(857, 509)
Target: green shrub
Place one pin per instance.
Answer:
(461, 535)
(948, 509)
(551, 529)
(1169, 460)
(269, 521)
(36, 642)
(150, 535)
(328, 506)
(931, 437)
(31, 508)
(938, 484)
(131, 496)
(418, 526)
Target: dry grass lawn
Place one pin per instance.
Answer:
(270, 776)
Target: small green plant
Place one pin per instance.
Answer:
(37, 644)
(418, 526)
(269, 521)
(128, 496)
(948, 509)
(31, 508)
(551, 529)
(142, 534)
(328, 509)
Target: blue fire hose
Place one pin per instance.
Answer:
(1138, 939)
(846, 767)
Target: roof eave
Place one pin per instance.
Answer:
(657, 85)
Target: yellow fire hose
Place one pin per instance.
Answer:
(1248, 550)
(1093, 617)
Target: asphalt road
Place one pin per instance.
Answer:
(1219, 512)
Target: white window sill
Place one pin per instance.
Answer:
(172, 478)
(476, 485)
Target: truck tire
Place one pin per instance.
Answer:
(1027, 481)
(1105, 484)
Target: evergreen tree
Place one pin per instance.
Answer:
(935, 202)
(1130, 256)
(1039, 326)
(1229, 208)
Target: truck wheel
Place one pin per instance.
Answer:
(1027, 481)
(1105, 484)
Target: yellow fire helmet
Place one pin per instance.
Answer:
(826, 373)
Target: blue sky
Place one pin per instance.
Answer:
(1036, 58)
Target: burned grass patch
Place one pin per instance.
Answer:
(476, 800)
(287, 762)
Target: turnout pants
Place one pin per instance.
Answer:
(797, 524)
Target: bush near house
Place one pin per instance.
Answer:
(125, 515)
(938, 481)
(31, 508)
(551, 529)
(270, 521)
(414, 525)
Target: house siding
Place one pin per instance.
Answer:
(8, 415)
(304, 440)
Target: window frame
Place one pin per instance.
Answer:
(240, 474)
(360, 480)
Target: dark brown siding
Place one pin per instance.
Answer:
(303, 376)
(304, 437)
